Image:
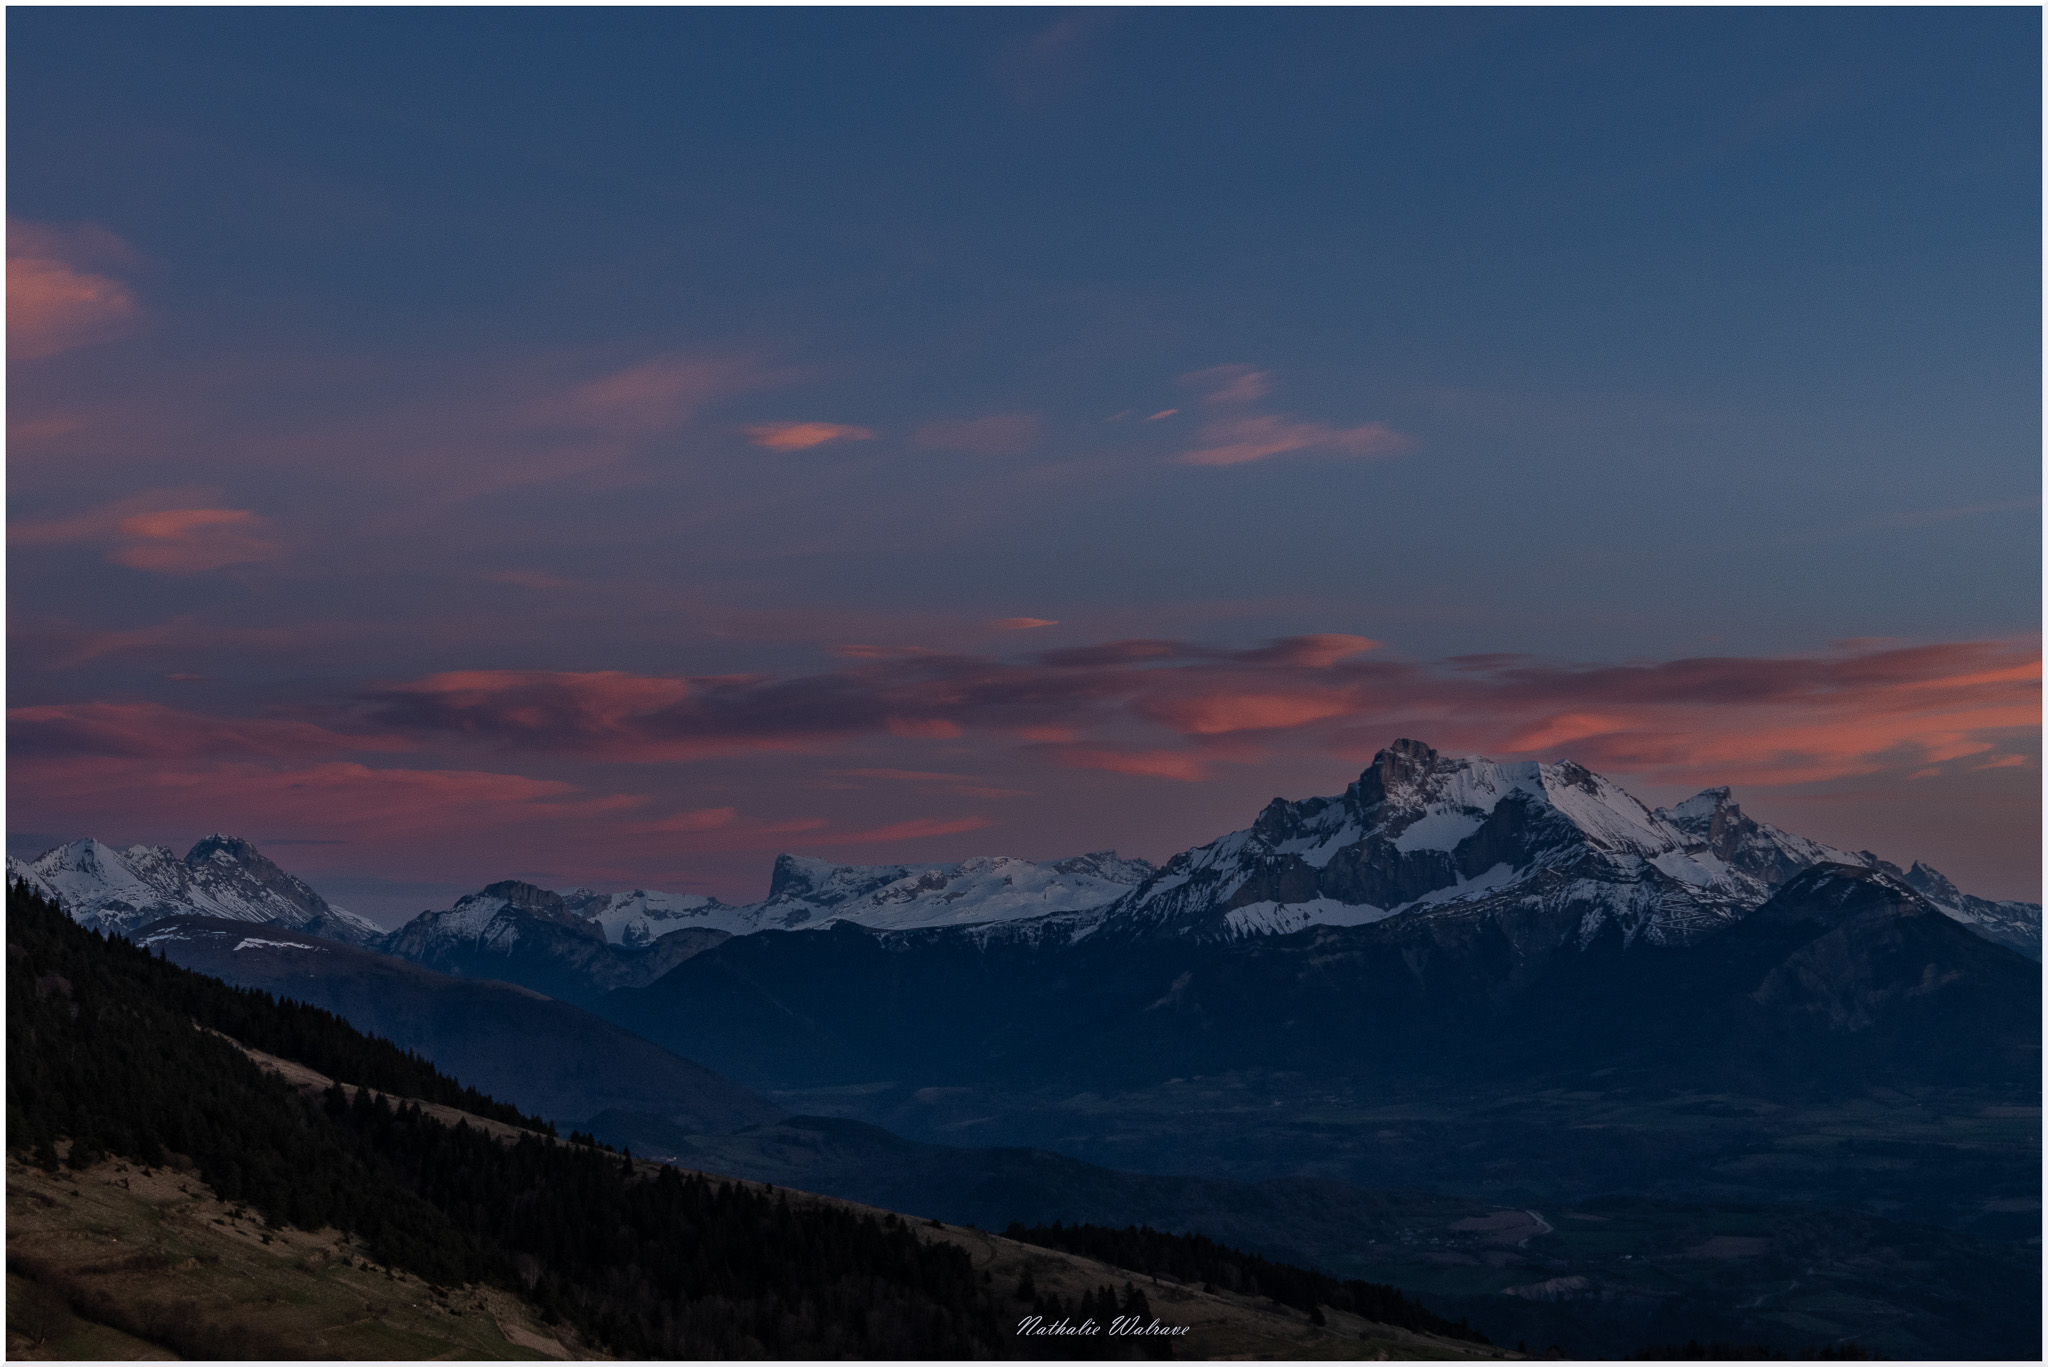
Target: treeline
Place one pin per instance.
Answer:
(1195, 1258)
(305, 1034)
(653, 1262)
(103, 1050)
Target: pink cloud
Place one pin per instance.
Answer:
(657, 395)
(147, 730)
(1230, 434)
(919, 828)
(1756, 720)
(1156, 710)
(53, 304)
(1215, 714)
(190, 540)
(340, 797)
(148, 536)
(997, 436)
(63, 645)
(1146, 763)
(702, 819)
(1024, 623)
(802, 436)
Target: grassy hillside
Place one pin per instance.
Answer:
(185, 1196)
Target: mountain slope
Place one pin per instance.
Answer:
(546, 1056)
(1495, 991)
(543, 940)
(116, 891)
(578, 945)
(644, 1260)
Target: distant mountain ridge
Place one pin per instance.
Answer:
(548, 1057)
(1419, 834)
(1422, 834)
(120, 891)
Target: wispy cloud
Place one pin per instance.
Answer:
(168, 540)
(54, 302)
(658, 395)
(1231, 433)
(917, 729)
(1762, 720)
(802, 436)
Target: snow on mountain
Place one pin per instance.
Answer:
(641, 917)
(805, 893)
(802, 894)
(1427, 836)
(2016, 925)
(118, 891)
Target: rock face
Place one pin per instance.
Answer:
(117, 891)
(562, 946)
(578, 945)
(2016, 925)
(812, 892)
(1428, 837)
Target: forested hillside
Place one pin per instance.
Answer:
(105, 1050)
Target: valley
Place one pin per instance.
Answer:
(1586, 1073)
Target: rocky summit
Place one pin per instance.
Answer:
(119, 891)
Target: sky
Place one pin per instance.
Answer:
(610, 447)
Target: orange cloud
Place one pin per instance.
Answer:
(998, 436)
(1025, 623)
(802, 436)
(1232, 435)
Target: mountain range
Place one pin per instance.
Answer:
(1419, 835)
(1513, 982)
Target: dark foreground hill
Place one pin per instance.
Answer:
(105, 1063)
(102, 1052)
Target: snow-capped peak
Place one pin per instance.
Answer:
(119, 890)
(1425, 834)
(803, 894)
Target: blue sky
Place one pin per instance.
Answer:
(706, 410)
